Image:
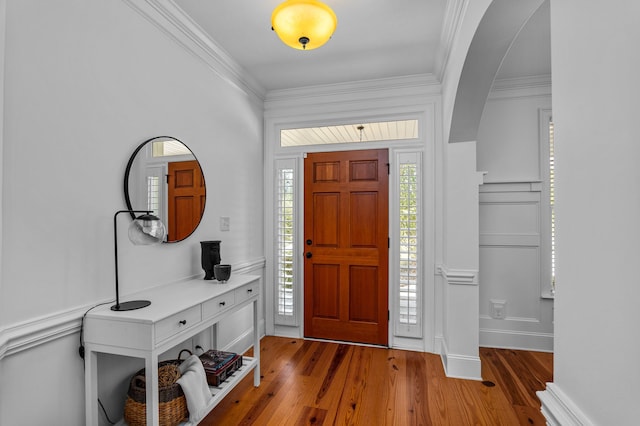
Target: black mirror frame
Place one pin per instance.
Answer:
(127, 171)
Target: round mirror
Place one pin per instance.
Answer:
(163, 176)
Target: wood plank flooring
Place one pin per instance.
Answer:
(318, 383)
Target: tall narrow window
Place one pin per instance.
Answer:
(155, 190)
(408, 267)
(408, 243)
(285, 238)
(552, 199)
(153, 194)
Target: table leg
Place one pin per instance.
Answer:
(151, 377)
(256, 344)
(91, 387)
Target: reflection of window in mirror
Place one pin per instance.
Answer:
(155, 192)
(169, 147)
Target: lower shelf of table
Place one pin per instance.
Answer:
(219, 392)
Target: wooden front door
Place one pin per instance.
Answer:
(186, 198)
(346, 246)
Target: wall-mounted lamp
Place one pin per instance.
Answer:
(303, 24)
(146, 229)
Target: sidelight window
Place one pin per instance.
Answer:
(408, 296)
(547, 206)
(285, 242)
(552, 200)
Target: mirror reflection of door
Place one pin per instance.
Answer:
(186, 198)
(346, 233)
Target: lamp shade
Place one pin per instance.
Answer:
(304, 24)
(147, 229)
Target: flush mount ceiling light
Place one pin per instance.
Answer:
(303, 24)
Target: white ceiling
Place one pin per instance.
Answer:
(374, 39)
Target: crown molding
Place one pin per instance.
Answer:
(417, 85)
(521, 87)
(452, 21)
(174, 22)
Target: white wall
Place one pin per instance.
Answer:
(460, 334)
(84, 83)
(595, 59)
(514, 256)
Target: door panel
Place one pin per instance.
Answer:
(363, 219)
(326, 216)
(346, 264)
(186, 198)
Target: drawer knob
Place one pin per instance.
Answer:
(223, 303)
(183, 322)
(250, 290)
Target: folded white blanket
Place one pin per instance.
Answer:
(194, 385)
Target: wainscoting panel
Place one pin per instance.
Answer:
(512, 312)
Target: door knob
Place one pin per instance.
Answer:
(308, 255)
(309, 242)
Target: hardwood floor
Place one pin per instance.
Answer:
(318, 383)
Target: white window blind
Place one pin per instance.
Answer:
(552, 199)
(409, 304)
(155, 191)
(153, 194)
(285, 230)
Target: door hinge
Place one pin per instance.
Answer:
(388, 242)
(388, 168)
(388, 315)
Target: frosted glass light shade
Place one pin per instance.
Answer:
(304, 24)
(147, 229)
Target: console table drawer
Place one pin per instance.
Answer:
(217, 305)
(177, 322)
(247, 291)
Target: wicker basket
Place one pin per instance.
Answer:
(172, 403)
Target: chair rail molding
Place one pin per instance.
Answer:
(250, 266)
(34, 332)
(458, 276)
(174, 22)
(28, 334)
(559, 410)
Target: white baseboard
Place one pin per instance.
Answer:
(510, 339)
(293, 332)
(460, 366)
(559, 410)
(408, 344)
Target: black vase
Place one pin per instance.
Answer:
(210, 257)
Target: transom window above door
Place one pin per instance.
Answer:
(350, 133)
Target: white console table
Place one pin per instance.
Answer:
(177, 313)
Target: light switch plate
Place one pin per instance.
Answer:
(225, 224)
